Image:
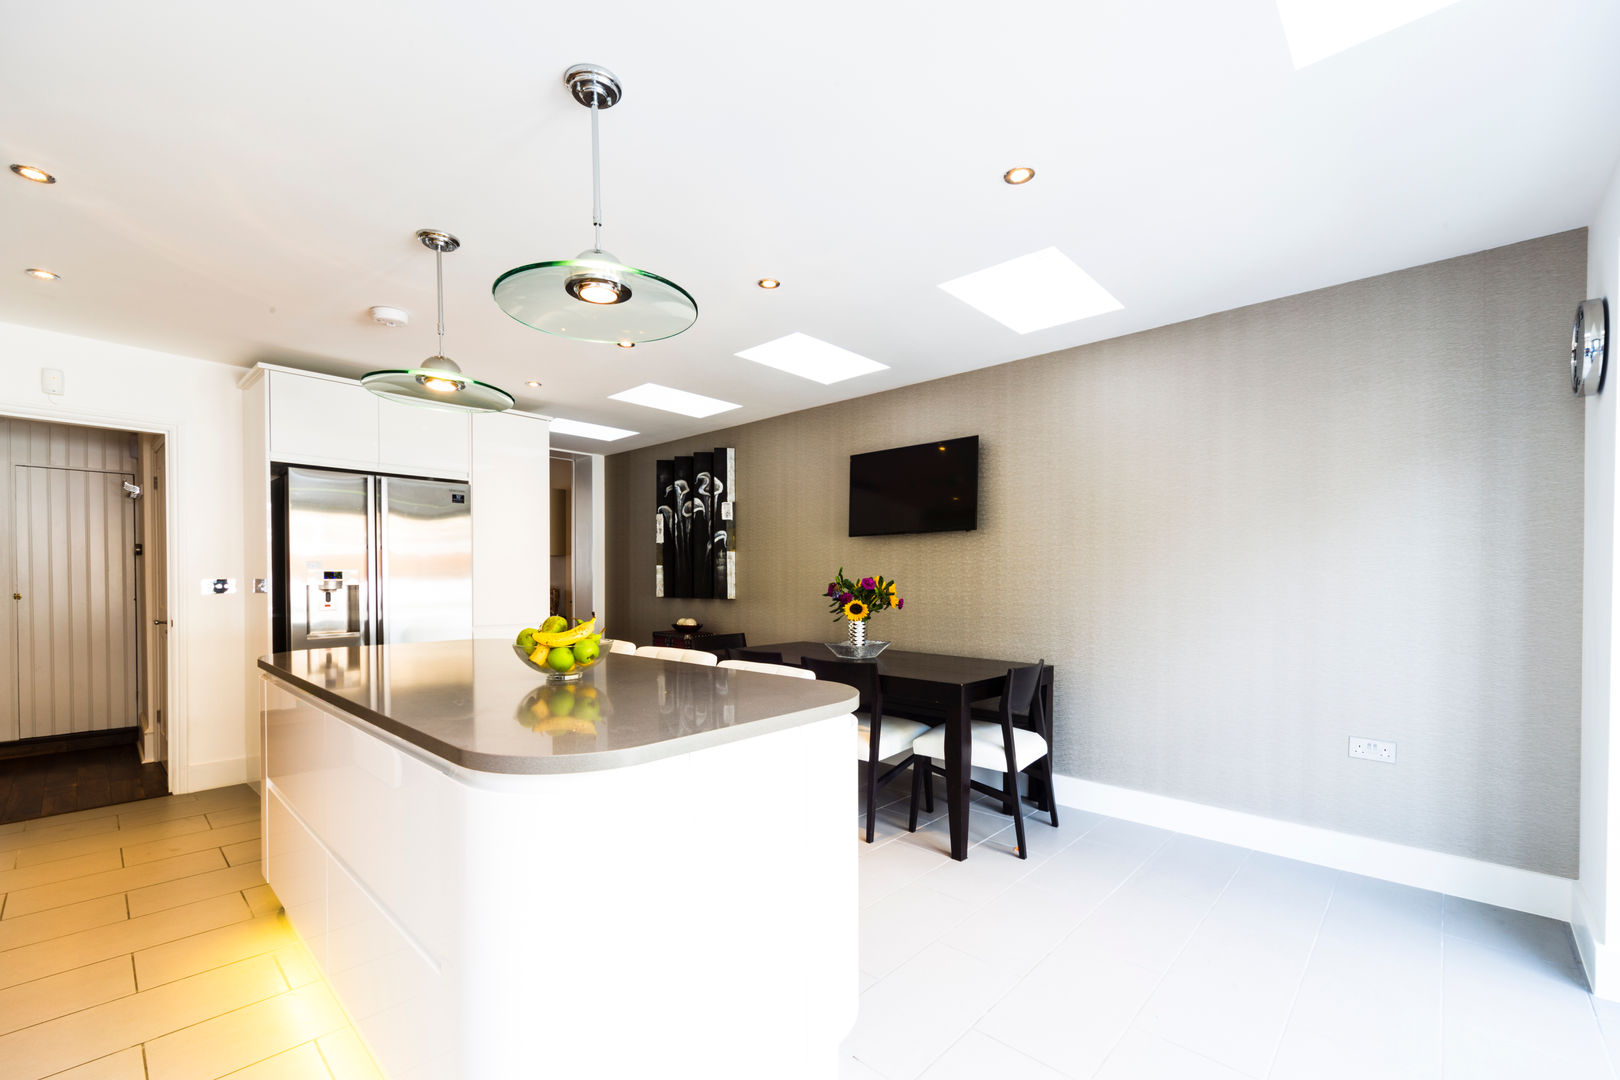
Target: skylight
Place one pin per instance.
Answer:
(811, 358)
(1034, 292)
(1317, 29)
(654, 396)
(563, 426)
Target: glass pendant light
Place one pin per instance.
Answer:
(439, 380)
(593, 296)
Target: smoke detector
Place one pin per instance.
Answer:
(390, 316)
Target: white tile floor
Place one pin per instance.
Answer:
(1120, 951)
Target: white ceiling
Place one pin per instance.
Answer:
(241, 182)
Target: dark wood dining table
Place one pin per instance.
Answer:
(930, 685)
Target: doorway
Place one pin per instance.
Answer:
(577, 553)
(76, 693)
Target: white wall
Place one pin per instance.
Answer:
(198, 404)
(511, 522)
(1599, 831)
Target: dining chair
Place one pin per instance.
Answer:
(684, 656)
(619, 645)
(759, 656)
(768, 669)
(1002, 746)
(882, 741)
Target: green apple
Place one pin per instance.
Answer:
(554, 624)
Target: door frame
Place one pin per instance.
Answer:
(177, 712)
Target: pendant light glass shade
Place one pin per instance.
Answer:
(438, 381)
(593, 296)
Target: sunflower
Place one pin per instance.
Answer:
(855, 611)
(892, 592)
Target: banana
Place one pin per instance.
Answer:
(567, 637)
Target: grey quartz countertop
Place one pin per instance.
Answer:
(475, 705)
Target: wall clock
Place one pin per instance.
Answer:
(1589, 348)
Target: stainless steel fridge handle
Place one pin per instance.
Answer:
(373, 599)
(379, 536)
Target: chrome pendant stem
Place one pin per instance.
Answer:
(596, 177)
(438, 270)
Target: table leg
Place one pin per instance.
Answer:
(958, 772)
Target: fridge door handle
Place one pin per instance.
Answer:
(379, 533)
(374, 590)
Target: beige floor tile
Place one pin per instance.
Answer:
(219, 819)
(59, 922)
(115, 810)
(245, 852)
(13, 827)
(8, 859)
(237, 1039)
(57, 995)
(170, 846)
(88, 946)
(142, 836)
(206, 802)
(51, 832)
(40, 1050)
(176, 959)
(15, 881)
(196, 887)
(125, 1065)
(297, 966)
(346, 1056)
(119, 879)
(262, 899)
(300, 1063)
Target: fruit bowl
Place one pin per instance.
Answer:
(689, 628)
(552, 674)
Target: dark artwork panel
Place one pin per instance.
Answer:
(664, 536)
(680, 584)
(725, 522)
(702, 524)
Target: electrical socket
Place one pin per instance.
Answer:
(1372, 749)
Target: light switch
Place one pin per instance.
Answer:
(51, 380)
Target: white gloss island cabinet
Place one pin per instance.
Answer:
(496, 886)
(303, 418)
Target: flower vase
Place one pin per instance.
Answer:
(857, 634)
(858, 646)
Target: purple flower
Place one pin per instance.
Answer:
(868, 583)
(832, 590)
(844, 598)
(900, 604)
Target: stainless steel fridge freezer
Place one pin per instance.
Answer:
(363, 559)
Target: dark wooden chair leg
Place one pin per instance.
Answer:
(1051, 793)
(917, 767)
(1009, 787)
(928, 784)
(871, 799)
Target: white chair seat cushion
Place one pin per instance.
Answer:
(768, 669)
(683, 656)
(898, 735)
(986, 749)
(619, 645)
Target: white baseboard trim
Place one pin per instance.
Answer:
(1472, 879)
(202, 775)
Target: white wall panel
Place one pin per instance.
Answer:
(73, 537)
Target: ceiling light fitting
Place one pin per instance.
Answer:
(769, 283)
(627, 344)
(594, 296)
(390, 316)
(43, 275)
(439, 379)
(1021, 175)
(29, 172)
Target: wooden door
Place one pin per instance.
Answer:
(75, 587)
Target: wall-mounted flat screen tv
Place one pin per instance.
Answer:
(930, 487)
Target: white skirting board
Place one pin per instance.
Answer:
(202, 775)
(1471, 879)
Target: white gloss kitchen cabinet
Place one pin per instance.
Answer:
(322, 420)
(304, 418)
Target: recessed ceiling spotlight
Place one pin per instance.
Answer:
(43, 275)
(532, 382)
(769, 283)
(627, 344)
(1021, 175)
(29, 172)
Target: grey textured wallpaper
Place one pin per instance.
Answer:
(1240, 540)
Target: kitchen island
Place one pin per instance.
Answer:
(645, 873)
